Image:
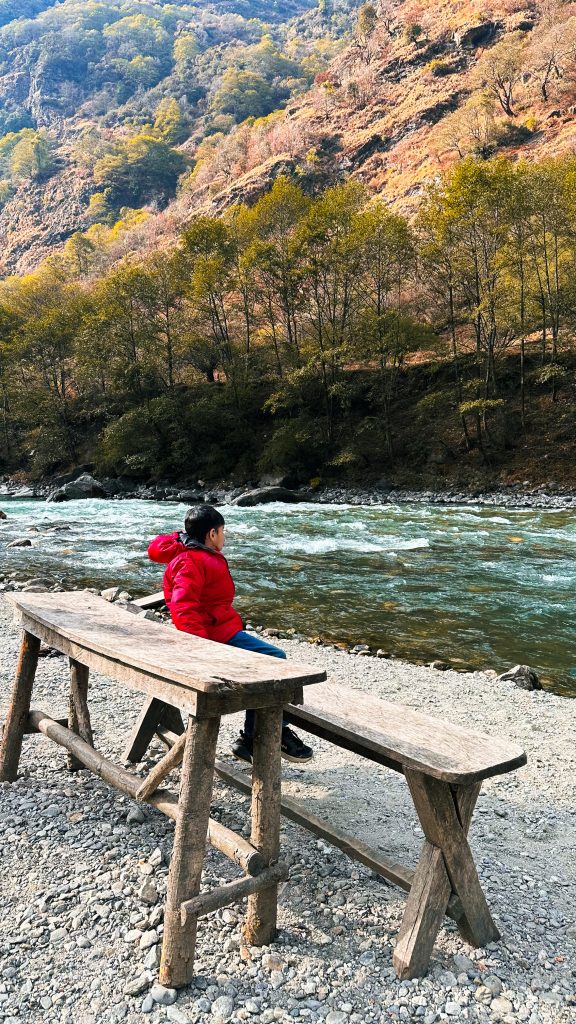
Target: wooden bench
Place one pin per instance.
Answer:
(178, 673)
(444, 766)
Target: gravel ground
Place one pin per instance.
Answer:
(84, 875)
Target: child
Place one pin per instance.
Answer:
(199, 592)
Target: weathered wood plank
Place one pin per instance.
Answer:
(201, 705)
(397, 737)
(260, 923)
(78, 713)
(175, 657)
(144, 729)
(17, 716)
(423, 915)
(439, 819)
(231, 892)
(151, 601)
(170, 761)
(178, 947)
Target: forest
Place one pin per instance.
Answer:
(311, 336)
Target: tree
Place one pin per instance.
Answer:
(245, 94)
(140, 169)
(500, 69)
(170, 123)
(32, 156)
(552, 49)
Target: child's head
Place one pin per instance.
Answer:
(205, 525)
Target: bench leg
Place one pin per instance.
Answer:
(78, 713)
(260, 924)
(177, 964)
(17, 717)
(154, 713)
(446, 866)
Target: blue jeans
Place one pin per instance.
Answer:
(249, 642)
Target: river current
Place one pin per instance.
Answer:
(479, 587)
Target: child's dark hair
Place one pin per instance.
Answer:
(199, 521)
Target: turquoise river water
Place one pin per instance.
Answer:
(480, 587)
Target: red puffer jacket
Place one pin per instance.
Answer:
(198, 587)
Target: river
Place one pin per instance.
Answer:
(479, 587)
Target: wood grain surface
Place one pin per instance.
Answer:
(398, 737)
(192, 662)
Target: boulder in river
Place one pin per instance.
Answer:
(522, 676)
(3, 515)
(263, 495)
(20, 542)
(84, 486)
(111, 593)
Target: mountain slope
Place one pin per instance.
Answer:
(79, 81)
(406, 100)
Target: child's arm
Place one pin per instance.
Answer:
(186, 600)
(164, 548)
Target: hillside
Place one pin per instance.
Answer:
(420, 86)
(110, 99)
(194, 107)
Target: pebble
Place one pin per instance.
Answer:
(162, 995)
(135, 986)
(222, 1008)
(135, 816)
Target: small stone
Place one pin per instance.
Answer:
(500, 1007)
(493, 984)
(177, 1016)
(135, 816)
(83, 942)
(58, 935)
(135, 986)
(134, 935)
(111, 593)
(222, 1008)
(452, 1009)
(162, 995)
(336, 1017)
(149, 938)
(147, 1004)
(152, 958)
(45, 1002)
(148, 892)
(156, 858)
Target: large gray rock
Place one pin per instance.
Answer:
(20, 542)
(263, 495)
(84, 486)
(522, 676)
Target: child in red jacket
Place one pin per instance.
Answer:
(199, 592)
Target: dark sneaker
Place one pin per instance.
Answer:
(242, 748)
(293, 749)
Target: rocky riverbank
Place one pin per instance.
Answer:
(84, 485)
(84, 876)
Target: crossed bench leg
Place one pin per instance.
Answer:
(445, 875)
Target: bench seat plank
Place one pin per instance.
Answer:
(183, 662)
(399, 738)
